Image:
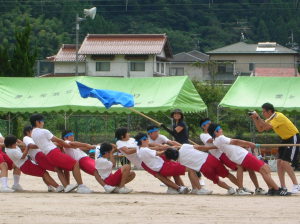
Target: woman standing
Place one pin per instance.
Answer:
(180, 129)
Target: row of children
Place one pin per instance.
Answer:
(152, 152)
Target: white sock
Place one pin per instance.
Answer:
(4, 181)
(16, 179)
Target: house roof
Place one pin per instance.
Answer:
(67, 53)
(244, 48)
(275, 72)
(130, 44)
(192, 56)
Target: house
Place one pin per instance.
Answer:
(116, 55)
(242, 58)
(275, 72)
(190, 63)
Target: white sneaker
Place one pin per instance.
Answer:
(59, 189)
(6, 190)
(247, 190)
(295, 189)
(241, 192)
(70, 188)
(183, 190)
(82, 189)
(124, 190)
(202, 182)
(201, 191)
(109, 189)
(51, 189)
(231, 191)
(260, 191)
(116, 190)
(172, 191)
(17, 187)
(162, 184)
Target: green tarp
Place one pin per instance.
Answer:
(249, 93)
(61, 94)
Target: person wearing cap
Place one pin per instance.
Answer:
(86, 163)
(179, 128)
(289, 134)
(234, 149)
(158, 140)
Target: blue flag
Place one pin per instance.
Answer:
(107, 97)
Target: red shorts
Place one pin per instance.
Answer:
(169, 169)
(43, 161)
(87, 164)
(5, 159)
(213, 169)
(252, 163)
(61, 160)
(227, 162)
(114, 179)
(32, 169)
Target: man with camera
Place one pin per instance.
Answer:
(288, 133)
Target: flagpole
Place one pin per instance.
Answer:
(154, 121)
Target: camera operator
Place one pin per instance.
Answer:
(289, 134)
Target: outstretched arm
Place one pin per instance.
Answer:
(260, 124)
(242, 143)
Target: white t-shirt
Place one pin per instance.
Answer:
(161, 139)
(104, 167)
(76, 154)
(1, 136)
(215, 152)
(234, 152)
(42, 138)
(32, 152)
(191, 157)
(131, 157)
(15, 155)
(149, 157)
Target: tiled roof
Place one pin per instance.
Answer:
(275, 72)
(130, 44)
(244, 48)
(67, 53)
(192, 56)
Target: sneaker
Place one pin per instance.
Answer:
(241, 192)
(51, 189)
(162, 184)
(59, 189)
(17, 187)
(116, 190)
(109, 189)
(82, 189)
(231, 191)
(281, 192)
(172, 191)
(271, 192)
(183, 190)
(6, 190)
(247, 190)
(295, 189)
(201, 191)
(70, 188)
(124, 190)
(260, 191)
(202, 182)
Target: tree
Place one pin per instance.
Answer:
(23, 57)
(5, 67)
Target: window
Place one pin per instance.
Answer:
(157, 67)
(251, 66)
(102, 66)
(162, 68)
(137, 66)
(225, 67)
(177, 71)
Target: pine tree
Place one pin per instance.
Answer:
(5, 67)
(23, 57)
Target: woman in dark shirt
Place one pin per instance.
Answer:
(180, 129)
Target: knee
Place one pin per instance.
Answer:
(265, 169)
(132, 173)
(126, 167)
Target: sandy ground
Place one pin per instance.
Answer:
(147, 204)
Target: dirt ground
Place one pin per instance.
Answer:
(147, 204)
